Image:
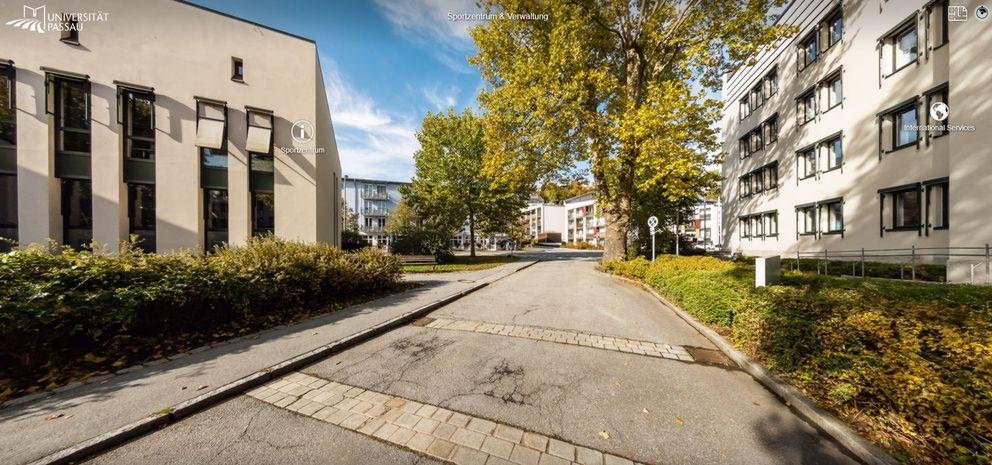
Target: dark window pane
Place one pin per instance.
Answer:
(216, 209)
(77, 213)
(143, 149)
(72, 105)
(263, 212)
(262, 162)
(8, 201)
(140, 121)
(142, 207)
(907, 209)
(905, 127)
(213, 158)
(6, 97)
(8, 134)
(75, 142)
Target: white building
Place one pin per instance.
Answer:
(544, 222)
(823, 139)
(372, 201)
(164, 120)
(704, 228)
(584, 221)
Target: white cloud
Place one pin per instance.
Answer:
(371, 142)
(441, 102)
(427, 23)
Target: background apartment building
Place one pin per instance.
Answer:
(372, 201)
(822, 149)
(584, 222)
(164, 120)
(704, 227)
(543, 222)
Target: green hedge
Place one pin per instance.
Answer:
(907, 364)
(58, 307)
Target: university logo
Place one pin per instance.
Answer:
(35, 22)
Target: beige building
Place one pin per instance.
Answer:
(584, 222)
(164, 120)
(823, 138)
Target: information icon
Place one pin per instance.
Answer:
(303, 131)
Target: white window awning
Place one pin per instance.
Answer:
(259, 139)
(210, 133)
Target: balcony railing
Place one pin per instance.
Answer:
(375, 212)
(372, 229)
(375, 195)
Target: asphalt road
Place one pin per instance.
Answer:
(648, 409)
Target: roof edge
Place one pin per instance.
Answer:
(237, 18)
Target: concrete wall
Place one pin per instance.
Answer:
(867, 90)
(181, 51)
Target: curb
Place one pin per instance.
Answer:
(825, 422)
(188, 407)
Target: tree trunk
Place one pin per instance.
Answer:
(617, 226)
(471, 233)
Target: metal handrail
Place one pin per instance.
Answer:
(915, 254)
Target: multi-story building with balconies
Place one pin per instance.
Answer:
(584, 221)
(163, 120)
(372, 201)
(866, 129)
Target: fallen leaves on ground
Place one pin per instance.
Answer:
(679, 421)
(604, 434)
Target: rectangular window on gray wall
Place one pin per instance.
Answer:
(806, 106)
(938, 204)
(905, 132)
(8, 115)
(806, 163)
(77, 213)
(8, 211)
(906, 209)
(835, 153)
(139, 124)
(833, 215)
(263, 209)
(69, 103)
(141, 214)
(262, 182)
(211, 138)
(906, 47)
(215, 217)
(808, 50)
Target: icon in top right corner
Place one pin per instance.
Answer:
(957, 13)
(982, 12)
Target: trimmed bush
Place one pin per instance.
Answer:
(56, 308)
(907, 364)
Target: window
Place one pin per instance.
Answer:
(141, 214)
(259, 130)
(938, 94)
(237, 69)
(72, 130)
(905, 127)
(263, 208)
(77, 213)
(771, 223)
(70, 32)
(938, 205)
(8, 211)
(744, 146)
(906, 48)
(8, 113)
(770, 129)
(806, 219)
(937, 24)
(806, 160)
(770, 173)
(211, 123)
(833, 213)
(835, 153)
(835, 91)
(806, 106)
(745, 108)
(745, 186)
(808, 50)
(215, 211)
(757, 182)
(213, 158)
(906, 209)
(771, 83)
(756, 142)
(835, 28)
(139, 124)
(757, 97)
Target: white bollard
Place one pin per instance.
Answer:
(767, 271)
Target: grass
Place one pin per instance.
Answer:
(462, 263)
(908, 365)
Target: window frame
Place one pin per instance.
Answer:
(895, 195)
(801, 154)
(65, 210)
(828, 228)
(802, 210)
(207, 229)
(897, 115)
(894, 37)
(237, 69)
(802, 107)
(829, 143)
(768, 136)
(142, 231)
(125, 105)
(945, 201)
(57, 80)
(8, 72)
(810, 39)
(828, 84)
(768, 216)
(834, 16)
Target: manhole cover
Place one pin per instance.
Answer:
(422, 321)
(710, 357)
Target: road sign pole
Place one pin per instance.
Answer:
(652, 244)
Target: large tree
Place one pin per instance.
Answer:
(622, 84)
(450, 188)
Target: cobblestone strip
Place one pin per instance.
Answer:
(435, 431)
(598, 341)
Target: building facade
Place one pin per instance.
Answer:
(584, 221)
(372, 201)
(543, 222)
(864, 130)
(704, 228)
(164, 120)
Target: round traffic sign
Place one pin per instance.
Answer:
(653, 221)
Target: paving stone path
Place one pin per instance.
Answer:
(599, 341)
(439, 432)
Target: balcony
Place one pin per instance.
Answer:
(375, 212)
(372, 230)
(375, 195)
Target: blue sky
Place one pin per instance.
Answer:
(385, 63)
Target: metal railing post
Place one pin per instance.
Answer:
(797, 260)
(862, 262)
(988, 268)
(913, 263)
